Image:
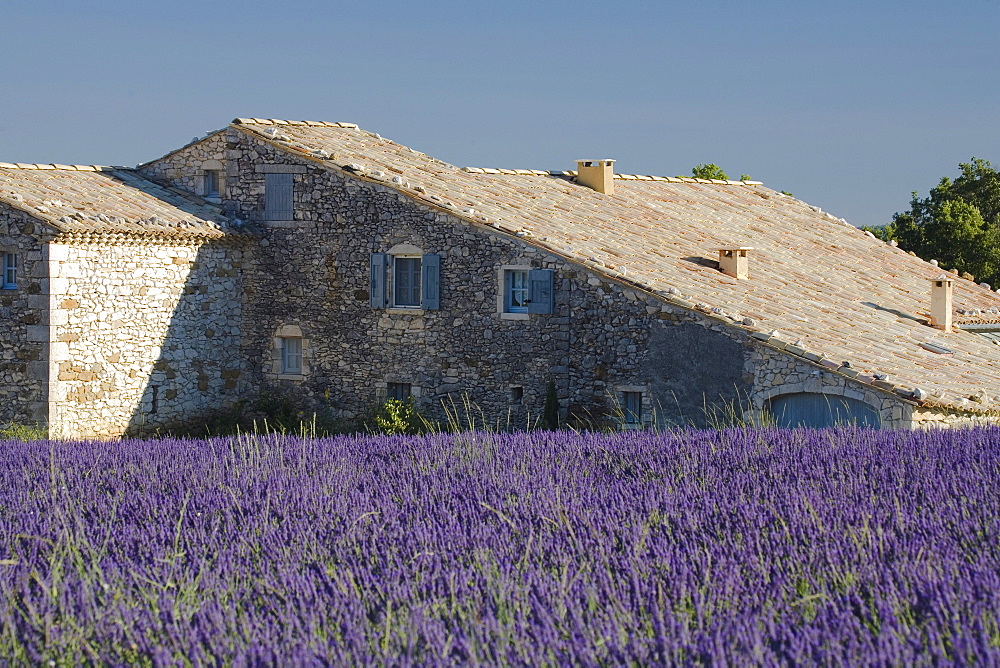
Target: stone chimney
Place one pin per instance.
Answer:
(941, 302)
(597, 174)
(735, 261)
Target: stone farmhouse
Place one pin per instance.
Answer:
(323, 262)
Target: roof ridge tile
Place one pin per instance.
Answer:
(619, 177)
(27, 166)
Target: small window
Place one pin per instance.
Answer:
(278, 203)
(516, 394)
(399, 391)
(406, 282)
(154, 398)
(9, 271)
(516, 291)
(632, 407)
(212, 180)
(291, 355)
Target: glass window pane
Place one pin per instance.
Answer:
(211, 183)
(517, 291)
(291, 354)
(9, 276)
(406, 279)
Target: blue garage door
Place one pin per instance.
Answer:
(806, 409)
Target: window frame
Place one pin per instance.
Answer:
(212, 177)
(10, 264)
(279, 369)
(291, 356)
(503, 294)
(415, 278)
(423, 271)
(632, 405)
(510, 288)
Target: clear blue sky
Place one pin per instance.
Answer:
(848, 105)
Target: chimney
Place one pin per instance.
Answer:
(596, 174)
(734, 261)
(941, 302)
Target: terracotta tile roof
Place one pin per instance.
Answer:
(830, 291)
(77, 199)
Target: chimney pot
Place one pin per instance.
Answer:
(941, 303)
(597, 174)
(735, 261)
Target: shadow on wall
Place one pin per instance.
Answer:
(198, 367)
(693, 374)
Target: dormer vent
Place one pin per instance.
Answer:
(735, 261)
(941, 302)
(597, 174)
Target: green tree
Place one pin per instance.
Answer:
(709, 171)
(957, 224)
(550, 413)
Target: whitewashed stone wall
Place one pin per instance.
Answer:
(143, 334)
(23, 324)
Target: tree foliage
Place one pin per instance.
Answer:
(957, 224)
(709, 171)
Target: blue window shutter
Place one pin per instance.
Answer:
(376, 292)
(278, 197)
(431, 283)
(540, 291)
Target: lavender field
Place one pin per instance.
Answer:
(835, 547)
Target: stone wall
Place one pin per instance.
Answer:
(145, 333)
(185, 167)
(603, 338)
(777, 373)
(23, 324)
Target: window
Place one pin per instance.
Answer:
(406, 280)
(399, 391)
(9, 277)
(278, 197)
(291, 355)
(516, 291)
(516, 394)
(212, 179)
(524, 290)
(632, 407)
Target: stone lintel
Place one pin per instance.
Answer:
(280, 169)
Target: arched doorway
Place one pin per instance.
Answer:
(810, 409)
